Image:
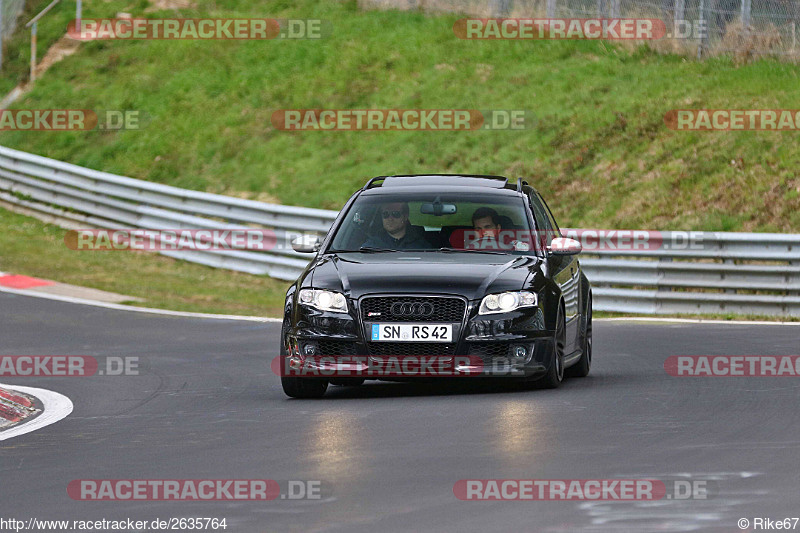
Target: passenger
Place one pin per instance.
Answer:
(488, 223)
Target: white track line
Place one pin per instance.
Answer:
(697, 321)
(120, 307)
(186, 314)
(56, 407)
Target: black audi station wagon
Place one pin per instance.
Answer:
(472, 270)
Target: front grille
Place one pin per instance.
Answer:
(411, 348)
(412, 309)
(334, 347)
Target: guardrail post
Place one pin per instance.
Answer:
(33, 52)
(1, 34)
(615, 9)
(701, 24)
(660, 274)
(746, 14)
(500, 8)
(729, 262)
(78, 12)
(678, 15)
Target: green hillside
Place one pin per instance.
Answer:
(598, 148)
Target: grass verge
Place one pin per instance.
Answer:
(33, 248)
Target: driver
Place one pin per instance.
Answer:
(397, 233)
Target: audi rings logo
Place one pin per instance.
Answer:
(412, 309)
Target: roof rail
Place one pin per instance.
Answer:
(370, 183)
(483, 176)
(520, 183)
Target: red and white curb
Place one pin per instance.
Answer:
(14, 408)
(17, 408)
(16, 281)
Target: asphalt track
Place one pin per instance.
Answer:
(206, 405)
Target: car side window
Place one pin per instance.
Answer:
(550, 216)
(543, 223)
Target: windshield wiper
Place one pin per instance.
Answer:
(374, 249)
(495, 252)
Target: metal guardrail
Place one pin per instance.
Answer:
(736, 273)
(79, 198)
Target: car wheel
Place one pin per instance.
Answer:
(555, 374)
(582, 367)
(304, 387)
(347, 382)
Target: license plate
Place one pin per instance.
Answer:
(410, 332)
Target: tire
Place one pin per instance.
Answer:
(347, 382)
(584, 364)
(305, 388)
(555, 374)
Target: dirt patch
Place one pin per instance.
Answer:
(64, 47)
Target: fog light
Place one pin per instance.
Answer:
(310, 349)
(520, 352)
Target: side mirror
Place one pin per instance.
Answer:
(564, 246)
(307, 244)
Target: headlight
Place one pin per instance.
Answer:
(324, 300)
(506, 301)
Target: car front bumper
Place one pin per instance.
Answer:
(515, 345)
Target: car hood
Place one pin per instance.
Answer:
(471, 275)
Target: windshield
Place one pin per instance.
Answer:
(436, 221)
